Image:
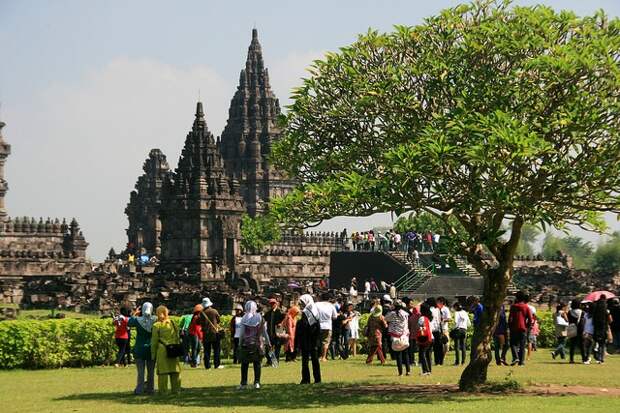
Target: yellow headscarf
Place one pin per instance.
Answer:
(162, 313)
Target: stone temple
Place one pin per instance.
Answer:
(191, 217)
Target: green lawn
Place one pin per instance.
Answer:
(107, 389)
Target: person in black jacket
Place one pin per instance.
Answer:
(576, 317)
(273, 318)
(600, 317)
(308, 339)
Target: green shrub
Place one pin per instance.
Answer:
(90, 342)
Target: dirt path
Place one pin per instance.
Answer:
(452, 389)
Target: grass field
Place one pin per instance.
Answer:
(349, 386)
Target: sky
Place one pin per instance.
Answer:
(87, 88)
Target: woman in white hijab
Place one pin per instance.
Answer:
(143, 321)
(252, 342)
(307, 339)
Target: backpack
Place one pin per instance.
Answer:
(253, 340)
(424, 336)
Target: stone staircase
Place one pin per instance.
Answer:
(413, 279)
(465, 267)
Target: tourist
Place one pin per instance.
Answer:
(373, 286)
(600, 319)
(327, 313)
(143, 321)
(235, 331)
(574, 332)
(445, 317)
(386, 345)
(476, 308)
(398, 329)
(588, 331)
(184, 324)
(274, 317)
(532, 336)
(336, 347)
(500, 338)
(416, 258)
(307, 339)
(437, 331)
(196, 336)
(352, 329)
(436, 238)
(212, 334)
(519, 321)
(289, 324)
(354, 240)
(614, 311)
(253, 340)
(461, 324)
(371, 240)
(121, 336)
(374, 333)
(165, 333)
(428, 240)
(425, 338)
(414, 316)
(561, 326)
(383, 241)
(366, 290)
(397, 241)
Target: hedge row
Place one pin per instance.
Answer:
(90, 342)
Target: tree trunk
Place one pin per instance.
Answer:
(495, 286)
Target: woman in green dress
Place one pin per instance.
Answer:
(165, 332)
(143, 322)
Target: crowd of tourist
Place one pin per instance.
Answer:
(413, 334)
(391, 240)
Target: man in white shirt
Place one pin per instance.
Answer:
(445, 317)
(327, 313)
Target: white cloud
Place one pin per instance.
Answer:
(79, 147)
(286, 73)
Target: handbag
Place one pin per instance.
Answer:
(281, 332)
(571, 330)
(400, 343)
(173, 350)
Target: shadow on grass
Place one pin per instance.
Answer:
(281, 396)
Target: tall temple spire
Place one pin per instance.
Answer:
(250, 131)
(5, 151)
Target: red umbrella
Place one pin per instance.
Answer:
(595, 295)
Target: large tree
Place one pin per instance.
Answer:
(488, 113)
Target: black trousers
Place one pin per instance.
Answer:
(517, 342)
(425, 358)
(245, 366)
(412, 350)
(438, 354)
(306, 357)
(235, 350)
(402, 357)
(575, 343)
(217, 349)
(459, 349)
(122, 357)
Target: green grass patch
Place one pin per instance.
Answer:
(349, 386)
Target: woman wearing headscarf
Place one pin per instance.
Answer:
(253, 338)
(290, 324)
(376, 324)
(143, 321)
(165, 332)
(398, 329)
(307, 339)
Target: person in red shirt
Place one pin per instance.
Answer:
(519, 322)
(195, 335)
(121, 336)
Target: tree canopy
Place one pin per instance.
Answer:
(487, 113)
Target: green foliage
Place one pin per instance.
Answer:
(486, 112)
(258, 232)
(581, 251)
(425, 221)
(606, 259)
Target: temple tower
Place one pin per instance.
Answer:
(201, 209)
(249, 133)
(144, 204)
(5, 151)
